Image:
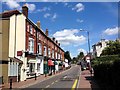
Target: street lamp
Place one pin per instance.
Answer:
(88, 39)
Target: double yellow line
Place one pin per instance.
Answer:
(74, 85)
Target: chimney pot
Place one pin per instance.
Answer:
(56, 41)
(53, 39)
(59, 44)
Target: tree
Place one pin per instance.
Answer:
(67, 56)
(113, 48)
(80, 56)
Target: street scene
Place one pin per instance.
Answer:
(59, 44)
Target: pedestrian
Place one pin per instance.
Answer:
(91, 70)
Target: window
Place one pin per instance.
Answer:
(45, 51)
(38, 35)
(32, 67)
(52, 53)
(31, 31)
(56, 56)
(31, 45)
(38, 67)
(48, 52)
(61, 56)
(39, 48)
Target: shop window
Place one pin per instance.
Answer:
(38, 67)
(32, 67)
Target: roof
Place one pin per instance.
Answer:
(16, 60)
(9, 13)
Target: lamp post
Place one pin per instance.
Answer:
(88, 39)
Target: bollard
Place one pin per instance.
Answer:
(2, 80)
(35, 76)
(10, 83)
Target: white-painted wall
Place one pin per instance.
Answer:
(21, 42)
(12, 36)
(42, 66)
(99, 48)
(18, 23)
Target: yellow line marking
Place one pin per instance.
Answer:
(52, 82)
(47, 86)
(74, 85)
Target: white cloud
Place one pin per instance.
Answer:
(80, 21)
(12, 4)
(54, 16)
(44, 9)
(65, 4)
(47, 15)
(31, 7)
(68, 37)
(111, 31)
(82, 50)
(78, 7)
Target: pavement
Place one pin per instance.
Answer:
(87, 81)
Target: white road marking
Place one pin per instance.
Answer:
(52, 82)
(56, 81)
(47, 86)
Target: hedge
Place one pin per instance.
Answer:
(107, 71)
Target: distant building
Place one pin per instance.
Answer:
(98, 47)
(25, 47)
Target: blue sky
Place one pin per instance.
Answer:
(64, 20)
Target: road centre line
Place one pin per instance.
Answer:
(74, 85)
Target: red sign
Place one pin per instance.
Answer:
(19, 53)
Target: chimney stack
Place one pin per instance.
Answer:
(38, 24)
(46, 32)
(25, 10)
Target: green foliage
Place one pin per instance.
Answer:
(113, 48)
(81, 55)
(67, 56)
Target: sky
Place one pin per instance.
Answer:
(65, 20)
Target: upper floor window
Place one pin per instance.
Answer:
(39, 48)
(52, 53)
(31, 30)
(31, 45)
(56, 56)
(45, 51)
(49, 52)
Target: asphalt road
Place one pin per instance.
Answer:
(67, 79)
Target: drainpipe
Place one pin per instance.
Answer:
(15, 36)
